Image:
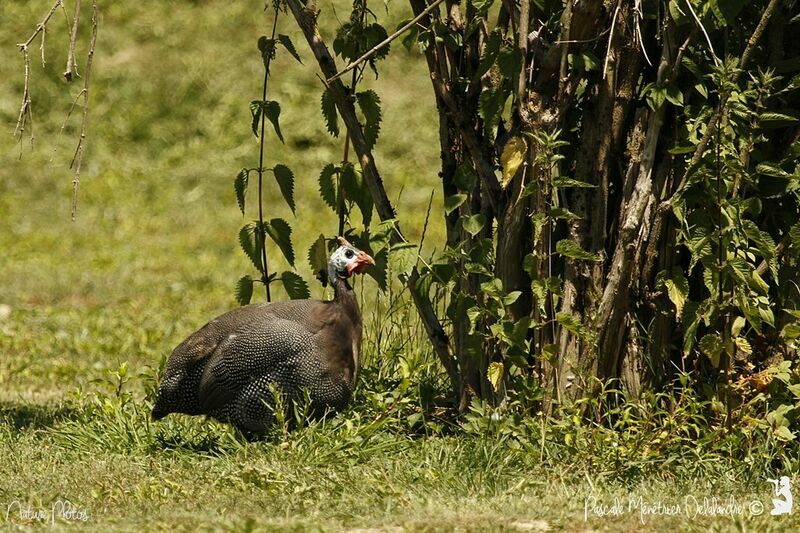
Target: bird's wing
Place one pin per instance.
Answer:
(265, 345)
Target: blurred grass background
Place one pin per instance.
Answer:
(154, 253)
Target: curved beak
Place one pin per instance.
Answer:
(363, 260)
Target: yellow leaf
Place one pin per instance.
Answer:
(495, 375)
(743, 345)
(513, 155)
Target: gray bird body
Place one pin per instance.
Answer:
(231, 368)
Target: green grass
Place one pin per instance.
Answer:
(153, 255)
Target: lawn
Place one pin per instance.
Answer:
(89, 310)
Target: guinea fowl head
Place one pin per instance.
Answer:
(347, 260)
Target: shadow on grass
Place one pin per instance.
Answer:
(22, 416)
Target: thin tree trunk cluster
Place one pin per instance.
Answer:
(612, 80)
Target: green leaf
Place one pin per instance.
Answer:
(674, 95)
(452, 203)
(563, 181)
(690, 318)
(402, 257)
(711, 346)
(571, 249)
(287, 43)
(356, 190)
(726, 11)
(482, 6)
(783, 433)
(770, 169)
(244, 290)
(465, 177)
(295, 286)
(251, 244)
(473, 224)
(318, 255)
(490, 51)
(281, 233)
(509, 62)
(329, 112)
(255, 110)
(327, 187)
(272, 110)
(677, 290)
(776, 120)
(370, 105)
(267, 48)
(572, 324)
(794, 238)
(561, 213)
(285, 178)
(583, 61)
(240, 186)
(490, 106)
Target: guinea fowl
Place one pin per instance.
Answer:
(231, 367)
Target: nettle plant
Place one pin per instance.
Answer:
(611, 183)
(252, 236)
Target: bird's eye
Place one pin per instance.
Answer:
(349, 254)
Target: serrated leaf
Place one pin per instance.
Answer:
(281, 233)
(743, 346)
(295, 286)
(711, 346)
(255, 110)
(329, 112)
(490, 106)
(453, 202)
(356, 190)
(402, 257)
(509, 62)
(571, 249)
(571, 323)
(776, 120)
(289, 45)
(561, 213)
(327, 186)
(272, 110)
(495, 374)
(318, 255)
(251, 245)
(240, 186)
(678, 291)
(370, 105)
(563, 181)
(267, 48)
(770, 169)
(244, 290)
(490, 52)
(513, 156)
(285, 178)
(473, 224)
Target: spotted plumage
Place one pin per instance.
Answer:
(234, 366)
